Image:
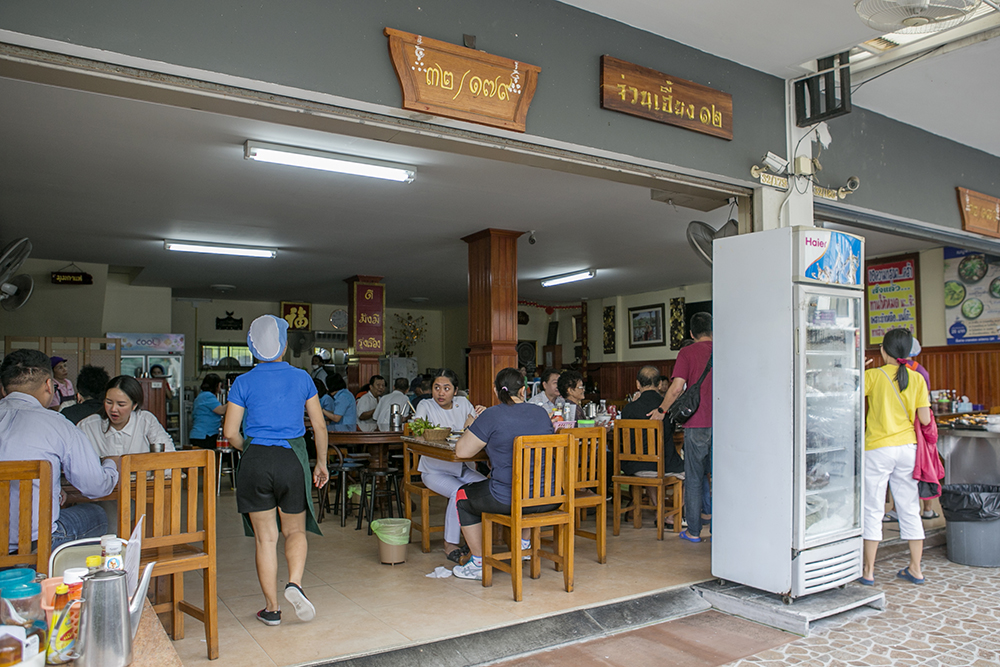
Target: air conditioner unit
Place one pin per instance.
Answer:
(333, 339)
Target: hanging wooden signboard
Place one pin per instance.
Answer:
(980, 213)
(640, 91)
(367, 311)
(455, 82)
(298, 315)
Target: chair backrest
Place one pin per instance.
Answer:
(590, 459)
(544, 470)
(160, 498)
(18, 503)
(639, 440)
(411, 460)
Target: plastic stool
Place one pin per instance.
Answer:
(370, 476)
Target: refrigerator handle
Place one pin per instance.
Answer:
(797, 330)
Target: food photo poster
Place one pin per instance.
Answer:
(971, 296)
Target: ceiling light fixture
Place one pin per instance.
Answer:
(220, 249)
(568, 278)
(324, 161)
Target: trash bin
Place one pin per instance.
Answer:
(973, 529)
(393, 536)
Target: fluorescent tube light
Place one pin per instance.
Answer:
(324, 161)
(568, 278)
(217, 249)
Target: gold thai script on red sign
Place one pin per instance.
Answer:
(453, 81)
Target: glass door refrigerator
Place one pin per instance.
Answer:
(140, 353)
(788, 412)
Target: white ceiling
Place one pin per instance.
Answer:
(954, 95)
(102, 179)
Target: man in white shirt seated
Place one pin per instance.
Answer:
(550, 390)
(398, 397)
(369, 401)
(29, 432)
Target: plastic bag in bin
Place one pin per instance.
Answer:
(970, 502)
(392, 531)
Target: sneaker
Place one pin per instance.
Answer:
(304, 609)
(468, 571)
(269, 617)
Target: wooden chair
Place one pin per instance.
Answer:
(412, 486)
(172, 536)
(590, 484)
(629, 436)
(19, 504)
(533, 454)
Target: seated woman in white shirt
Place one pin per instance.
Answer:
(446, 477)
(123, 427)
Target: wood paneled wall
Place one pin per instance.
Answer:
(616, 380)
(972, 370)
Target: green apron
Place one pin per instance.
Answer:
(299, 447)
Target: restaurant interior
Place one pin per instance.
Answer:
(99, 181)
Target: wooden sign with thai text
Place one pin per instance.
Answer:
(646, 93)
(453, 81)
(368, 309)
(980, 213)
(298, 315)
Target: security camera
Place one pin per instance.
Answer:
(531, 237)
(853, 183)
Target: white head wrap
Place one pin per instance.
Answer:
(267, 337)
(915, 348)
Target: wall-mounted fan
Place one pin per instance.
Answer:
(915, 16)
(700, 235)
(15, 290)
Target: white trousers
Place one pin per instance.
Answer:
(892, 466)
(448, 485)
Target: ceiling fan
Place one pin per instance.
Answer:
(701, 235)
(915, 16)
(15, 290)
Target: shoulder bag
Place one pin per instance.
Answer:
(687, 403)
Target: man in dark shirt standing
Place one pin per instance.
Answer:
(90, 384)
(691, 362)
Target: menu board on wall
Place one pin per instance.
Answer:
(893, 296)
(971, 296)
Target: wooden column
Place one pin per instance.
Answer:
(366, 327)
(492, 309)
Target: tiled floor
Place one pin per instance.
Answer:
(364, 606)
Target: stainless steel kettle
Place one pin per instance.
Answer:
(108, 621)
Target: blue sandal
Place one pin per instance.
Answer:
(905, 574)
(866, 582)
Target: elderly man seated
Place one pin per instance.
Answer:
(29, 432)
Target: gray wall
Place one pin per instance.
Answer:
(337, 47)
(904, 170)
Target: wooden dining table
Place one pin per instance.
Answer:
(442, 451)
(376, 442)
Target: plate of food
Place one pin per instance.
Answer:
(954, 293)
(972, 308)
(972, 268)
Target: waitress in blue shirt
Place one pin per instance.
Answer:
(273, 477)
(206, 413)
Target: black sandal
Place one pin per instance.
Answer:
(457, 555)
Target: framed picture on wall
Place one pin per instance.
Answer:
(645, 326)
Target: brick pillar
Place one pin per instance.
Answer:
(492, 309)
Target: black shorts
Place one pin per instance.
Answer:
(474, 500)
(270, 477)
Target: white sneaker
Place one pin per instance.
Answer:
(304, 609)
(468, 571)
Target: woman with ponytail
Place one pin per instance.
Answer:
(897, 396)
(495, 429)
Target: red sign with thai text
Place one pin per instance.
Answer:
(369, 318)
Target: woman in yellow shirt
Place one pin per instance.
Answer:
(896, 396)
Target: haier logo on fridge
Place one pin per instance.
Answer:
(833, 258)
